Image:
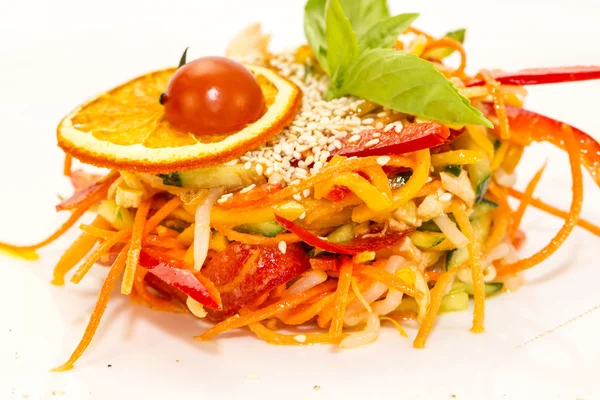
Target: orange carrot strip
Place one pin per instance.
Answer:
(570, 222)
(135, 246)
(287, 303)
(163, 231)
(392, 281)
(537, 203)
(327, 173)
(474, 248)
(450, 43)
(396, 324)
(90, 330)
(438, 291)
(305, 312)
(499, 107)
(341, 298)
(80, 247)
(96, 254)
(67, 166)
(247, 238)
(152, 301)
(161, 214)
(525, 200)
(262, 332)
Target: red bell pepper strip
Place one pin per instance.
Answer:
(528, 126)
(91, 193)
(356, 246)
(540, 76)
(338, 193)
(175, 273)
(325, 263)
(413, 137)
(263, 268)
(81, 179)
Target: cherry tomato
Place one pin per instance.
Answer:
(213, 95)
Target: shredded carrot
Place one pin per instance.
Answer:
(80, 247)
(67, 166)
(96, 254)
(247, 238)
(103, 297)
(164, 242)
(396, 324)
(570, 221)
(475, 256)
(152, 301)
(259, 301)
(450, 43)
(525, 201)
(163, 231)
(161, 214)
(135, 246)
(262, 332)
(431, 275)
(416, 31)
(390, 280)
(499, 106)
(305, 312)
(537, 203)
(341, 298)
(327, 173)
(437, 293)
(287, 303)
(429, 188)
(403, 315)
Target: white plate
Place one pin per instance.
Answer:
(56, 54)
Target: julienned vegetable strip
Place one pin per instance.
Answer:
(525, 201)
(341, 299)
(570, 222)
(537, 203)
(541, 76)
(271, 337)
(378, 274)
(474, 248)
(135, 246)
(103, 297)
(437, 293)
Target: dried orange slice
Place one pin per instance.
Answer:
(126, 128)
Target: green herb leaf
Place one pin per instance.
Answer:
(455, 170)
(441, 53)
(183, 58)
(342, 46)
(172, 179)
(363, 14)
(409, 84)
(314, 30)
(385, 33)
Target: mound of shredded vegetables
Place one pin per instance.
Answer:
(401, 223)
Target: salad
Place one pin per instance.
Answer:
(309, 196)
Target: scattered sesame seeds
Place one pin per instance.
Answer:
(354, 138)
(306, 192)
(368, 121)
(282, 247)
(371, 142)
(224, 198)
(247, 165)
(383, 160)
(303, 215)
(248, 188)
(297, 197)
(300, 338)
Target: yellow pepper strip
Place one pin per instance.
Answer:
(456, 157)
(186, 237)
(400, 196)
(500, 155)
(475, 256)
(446, 245)
(379, 179)
(218, 241)
(373, 198)
(290, 210)
(512, 159)
(479, 136)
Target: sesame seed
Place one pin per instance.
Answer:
(383, 160)
(368, 121)
(303, 215)
(300, 338)
(306, 192)
(372, 143)
(282, 246)
(376, 134)
(379, 125)
(248, 165)
(382, 114)
(354, 138)
(398, 127)
(249, 188)
(389, 126)
(259, 169)
(297, 197)
(445, 197)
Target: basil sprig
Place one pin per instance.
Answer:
(353, 39)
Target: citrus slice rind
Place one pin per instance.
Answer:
(126, 129)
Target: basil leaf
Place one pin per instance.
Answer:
(409, 84)
(385, 33)
(342, 47)
(363, 14)
(314, 30)
(441, 53)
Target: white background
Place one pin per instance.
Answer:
(55, 54)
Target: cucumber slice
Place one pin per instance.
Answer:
(483, 207)
(429, 226)
(480, 175)
(117, 216)
(456, 258)
(454, 169)
(399, 180)
(490, 288)
(481, 230)
(268, 229)
(426, 240)
(230, 177)
(343, 234)
(454, 301)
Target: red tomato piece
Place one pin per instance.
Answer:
(270, 268)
